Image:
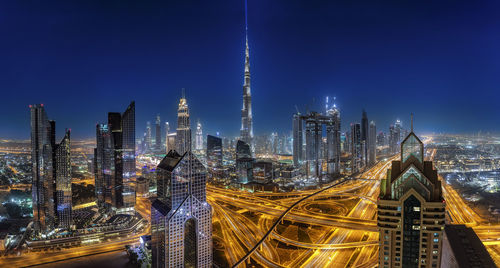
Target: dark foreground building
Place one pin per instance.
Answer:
(463, 249)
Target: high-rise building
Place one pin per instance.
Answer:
(167, 131)
(181, 218)
(171, 141)
(183, 138)
(199, 137)
(246, 131)
(244, 162)
(63, 182)
(115, 162)
(148, 145)
(314, 155)
(42, 144)
(51, 171)
(298, 140)
(214, 151)
(372, 143)
(356, 148)
(411, 211)
(158, 134)
(104, 166)
(395, 137)
(364, 138)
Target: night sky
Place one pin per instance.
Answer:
(83, 59)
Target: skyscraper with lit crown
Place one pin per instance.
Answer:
(183, 138)
(411, 210)
(199, 137)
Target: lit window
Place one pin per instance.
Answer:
(416, 209)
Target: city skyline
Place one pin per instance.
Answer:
(362, 75)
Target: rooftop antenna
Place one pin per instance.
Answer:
(183, 93)
(411, 122)
(246, 19)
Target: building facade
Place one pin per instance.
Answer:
(181, 218)
(411, 211)
(372, 144)
(357, 148)
(64, 196)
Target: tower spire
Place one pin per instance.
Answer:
(411, 122)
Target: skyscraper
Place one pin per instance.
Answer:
(199, 137)
(314, 155)
(51, 171)
(244, 162)
(148, 140)
(158, 134)
(115, 162)
(364, 138)
(214, 151)
(356, 148)
(63, 182)
(395, 136)
(298, 151)
(183, 138)
(167, 131)
(246, 131)
(372, 143)
(181, 218)
(42, 144)
(411, 210)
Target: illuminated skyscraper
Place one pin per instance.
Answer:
(246, 131)
(199, 137)
(42, 144)
(181, 218)
(148, 140)
(411, 211)
(115, 162)
(372, 143)
(63, 182)
(356, 148)
(183, 138)
(167, 131)
(158, 134)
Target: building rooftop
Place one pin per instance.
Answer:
(467, 247)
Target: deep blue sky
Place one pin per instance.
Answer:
(82, 59)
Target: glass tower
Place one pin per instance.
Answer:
(181, 218)
(42, 144)
(115, 162)
(63, 182)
